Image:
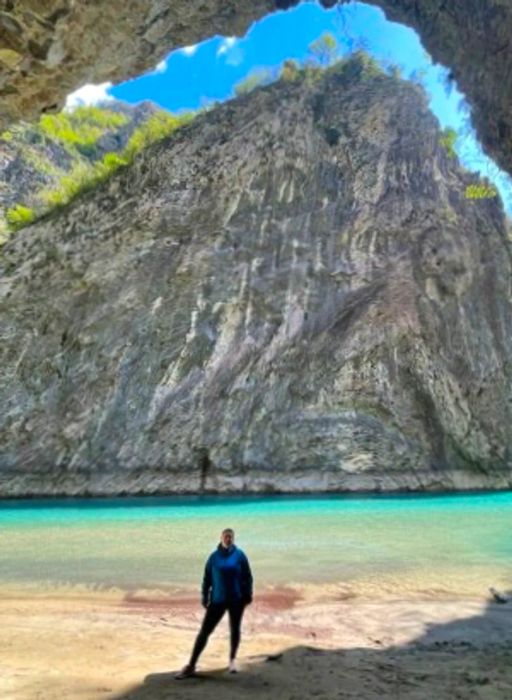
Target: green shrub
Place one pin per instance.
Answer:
(14, 134)
(59, 127)
(70, 184)
(81, 178)
(324, 50)
(77, 131)
(39, 162)
(82, 127)
(370, 68)
(395, 71)
(112, 161)
(481, 191)
(290, 71)
(84, 176)
(19, 216)
(97, 116)
(311, 72)
(448, 139)
(157, 127)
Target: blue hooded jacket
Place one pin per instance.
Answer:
(227, 577)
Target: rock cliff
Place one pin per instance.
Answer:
(291, 292)
(48, 48)
(474, 39)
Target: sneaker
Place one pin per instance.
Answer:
(185, 672)
(233, 668)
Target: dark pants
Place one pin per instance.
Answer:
(213, 615)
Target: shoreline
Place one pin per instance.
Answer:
(349, 485)
(97, 646)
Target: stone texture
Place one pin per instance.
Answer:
(48, 48)
(291, 292)
(474, 39)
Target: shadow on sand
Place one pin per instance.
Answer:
(468, 659)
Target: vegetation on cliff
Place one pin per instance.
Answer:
(324, 53)
(67, 153)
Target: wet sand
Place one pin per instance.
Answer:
(324, 641)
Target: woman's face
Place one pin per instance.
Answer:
(227, 538)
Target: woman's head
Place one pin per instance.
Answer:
(227, 537)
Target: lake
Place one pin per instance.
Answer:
(374, 545)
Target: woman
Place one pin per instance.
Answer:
(227, 585)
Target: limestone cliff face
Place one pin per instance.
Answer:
(49, 48)
(292, 292)
(474, 39)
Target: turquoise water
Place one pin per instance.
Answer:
(435, 543)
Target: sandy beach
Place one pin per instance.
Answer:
(298, 642)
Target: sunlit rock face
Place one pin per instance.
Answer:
(290, 293)
(48, 48)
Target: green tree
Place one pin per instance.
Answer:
(289, 71)
(81, 128)
(448, 139)
(77, 130)
(156, 128)
(324, 50)
(369, 67)
(395, 71)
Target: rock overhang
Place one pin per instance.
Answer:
(50, 48)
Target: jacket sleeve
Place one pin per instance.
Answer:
(247, 580)
(207, 582)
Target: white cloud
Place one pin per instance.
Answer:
(89, 95)
(226, 44)
(189, 50)
(161, 67)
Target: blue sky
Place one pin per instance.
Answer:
(195, 76)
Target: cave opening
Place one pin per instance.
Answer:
(199, 76)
